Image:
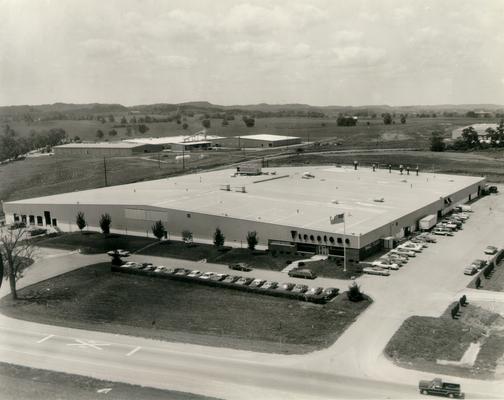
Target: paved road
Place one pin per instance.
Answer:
(354, 367)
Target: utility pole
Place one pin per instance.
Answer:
(159, 160)
(183, 157)
(105, 171)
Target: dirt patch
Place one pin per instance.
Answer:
(97, 299)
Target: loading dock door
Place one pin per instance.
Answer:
(47, 217)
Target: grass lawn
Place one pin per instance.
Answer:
(331, 269)
(95, 298)
(95, 242)
(19, 383)
(420, 341)
(495, 281)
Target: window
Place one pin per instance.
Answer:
(312, 238)
(319, 239)
(16, 218)
(331, 239)
(32, 219)
(188, 215)
(340, 240)
(347, 241)
(325, 238)
(305, 237)
(39, 220)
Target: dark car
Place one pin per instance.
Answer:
(437, 387)
(181, 271)
(244, 281)
(257, 283)
(286, 286)
(329, 293)
(302, 273)
(231, 279)
(270, 285)
(492, 189)
(299, 288)
(240, 267)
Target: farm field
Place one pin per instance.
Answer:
(95, 298)
(416, 131)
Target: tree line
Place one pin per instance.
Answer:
(12, 146)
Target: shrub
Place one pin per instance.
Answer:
(80, 221)
(354, 293)
(252, 240)
(463, 300)
(219, 238)
(488, 270)
(187, 236)
(158, 229)
(105, 221)
(478, 282)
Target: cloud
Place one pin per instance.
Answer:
(253, 19)
(268, 49)
(356, 56)
(174, 61)
(103, 47)
(347, 36)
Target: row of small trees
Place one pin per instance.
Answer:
(159, 231)
(456, 308)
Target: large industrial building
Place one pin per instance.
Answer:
(104, 149)
(309, 209)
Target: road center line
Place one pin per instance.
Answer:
(44, 339)
(133, 351)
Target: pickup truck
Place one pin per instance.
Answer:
(439, 388)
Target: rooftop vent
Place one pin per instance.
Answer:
(240, 189)
(225, 187)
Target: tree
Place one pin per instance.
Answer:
(249, 121)
(111, 118)
(206, 123)
(15, 255)
(225, 122)
(187, 236)
(80, 221)
(252, 240)
(470, 136)
(346, 120)
(158, 229)
(219, 238)
(99, 134)
(354, 293)
(105, 221)
(124, 121)
(387, 118)
(112, 132)
(77, 139)
(185, 126)
(436, 142)
(403, 118)
(142, 128)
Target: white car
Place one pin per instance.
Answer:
(129, 264)
(194, 274)
(416, 247)
(119, 252)
(375, 271)
(207, 275)
(404, 252)
(442, 232)
(385, 265)
(160, 268)
(491, 250)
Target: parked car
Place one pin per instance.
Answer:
(314, 291)
(181, 271)
(37, 232)
(159, 268)
(167, 271)
(218, 277)
(240, 267)
(375, 271)
(492, 189)
(479, 264)
(286, 286)
(329, 293)
(491, 250)
(397, 258)
(130, 264)
(270, 285)
(119, 252)
(231, 279)
(470, 270)
(256, 283)
(299, 288)
(385, 264)
(244, 281)
(404, 252)
(302, 273)
(417, 248)
(195, 274)
(442, 232)
(394, 260)
(207, 275)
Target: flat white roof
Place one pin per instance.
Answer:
(291, 200)
(269, 138)
(99, 145)
(171, 139)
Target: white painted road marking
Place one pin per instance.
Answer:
(133, 351)
(44, 339)
(91, 343)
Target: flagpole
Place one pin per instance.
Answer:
(344, 243)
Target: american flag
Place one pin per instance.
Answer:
(337, 219)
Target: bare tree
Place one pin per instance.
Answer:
(16, 253)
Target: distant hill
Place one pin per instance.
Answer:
(205, 106)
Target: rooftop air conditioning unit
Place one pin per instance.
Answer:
(240, 189)
(225, 187)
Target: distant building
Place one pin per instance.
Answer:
(262, 140)
(104, 149)
(479, 128)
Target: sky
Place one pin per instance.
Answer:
(318, 52)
